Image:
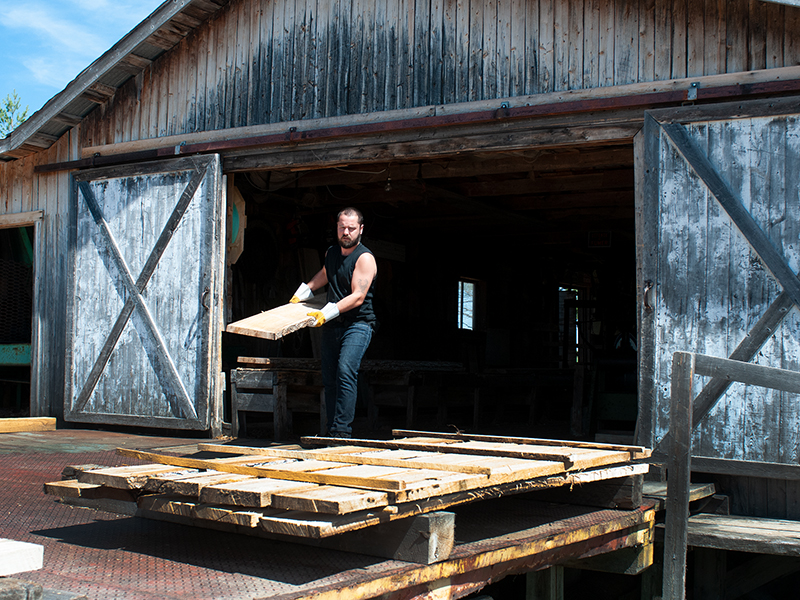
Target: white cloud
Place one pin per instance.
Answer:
(55, 32)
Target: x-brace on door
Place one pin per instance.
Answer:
(718, 225)
(145, 295)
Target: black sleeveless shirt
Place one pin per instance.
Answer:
(340, 277)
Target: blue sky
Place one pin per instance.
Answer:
(45, 44)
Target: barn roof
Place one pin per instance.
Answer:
(163, 29)
(158, 33)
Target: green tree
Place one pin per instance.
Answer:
(10, 115)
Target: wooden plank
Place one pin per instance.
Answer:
(573, 458)
(255, 493)
(27, 424)
(190, 484)
(746, 468)
(125, 478)
(280, 321)
(769, 377)
(329, 500)
(636, 452)
(72, 488)
(273, 473)
(745, 534)
(421, 461)
(20, 219)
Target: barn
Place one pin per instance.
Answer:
(561, 194)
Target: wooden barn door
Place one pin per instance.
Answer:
(145, 297)
(718, 226)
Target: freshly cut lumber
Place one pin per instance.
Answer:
(190, 485)
(27, 424)
(125, 478)
(636, 452)
(252, 493)
(275, 473)
(72, 488)
(19, 557)
(329, 500)
(572, 458)
(275, 323)
(357, 456)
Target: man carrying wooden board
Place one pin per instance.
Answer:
(349, 272)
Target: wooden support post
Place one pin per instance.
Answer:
(424, 539)
(653, 578)
(280, 416)
(678, 477)
(547, 584)
(710, 569)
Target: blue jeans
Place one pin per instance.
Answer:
(343, 347)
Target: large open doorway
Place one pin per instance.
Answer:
(518, 266)
(16, 311)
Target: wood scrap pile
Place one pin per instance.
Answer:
(346, 485)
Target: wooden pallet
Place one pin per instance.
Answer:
(330, 490)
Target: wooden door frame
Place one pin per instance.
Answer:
(37, 408)
(671, 122)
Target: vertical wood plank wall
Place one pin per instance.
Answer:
(21, 190)
(267, 61)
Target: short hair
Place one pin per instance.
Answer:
(350, 211)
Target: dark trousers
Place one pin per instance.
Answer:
(343, 347)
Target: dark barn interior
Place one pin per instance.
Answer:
(16, 302)
(517, 266)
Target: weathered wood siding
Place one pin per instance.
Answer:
(20, 191)
(267, 61)
(712, 288)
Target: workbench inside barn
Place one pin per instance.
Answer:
(421, 513)
(281, 386)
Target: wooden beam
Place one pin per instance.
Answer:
(424, 539)
(638, 90)
(769, 377)
(27, 424)
(22, 219)
(269, 472)
(745, 534)
(636, 452)
(745, 468)
(679, 482)
(424, 462)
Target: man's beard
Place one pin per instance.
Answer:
(351, 242)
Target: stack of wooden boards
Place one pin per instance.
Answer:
(348, 485)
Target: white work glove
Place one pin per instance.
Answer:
(328, 312)
(302, 294)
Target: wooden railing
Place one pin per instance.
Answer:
(685, 366)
